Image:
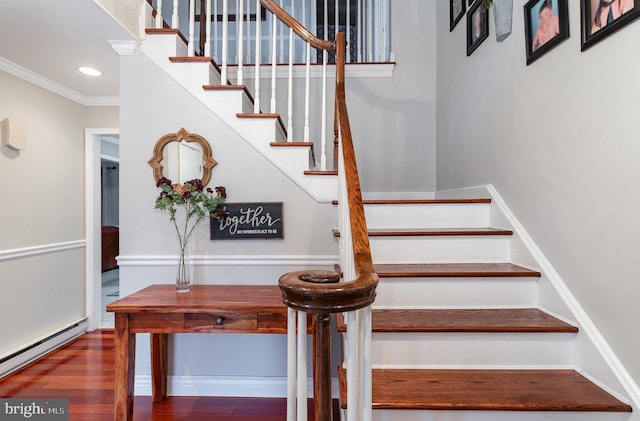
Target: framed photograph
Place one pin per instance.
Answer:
(477, 26)
(602, 18)
(546, 24)
(456, 12)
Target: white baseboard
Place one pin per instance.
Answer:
(17, 359)
(227, 386)
(584, 321)
(231, 260)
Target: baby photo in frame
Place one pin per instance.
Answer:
(546, 24)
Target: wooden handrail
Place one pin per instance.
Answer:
(309, 290)
(297, 27)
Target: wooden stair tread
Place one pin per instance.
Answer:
(468, 320)
(495, 390)
(452, 270)
(421, 201)
(438, 232)
(433, 232)
(321, 172)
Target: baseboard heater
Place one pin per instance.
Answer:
(29, 353)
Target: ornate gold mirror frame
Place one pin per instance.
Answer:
(159, 155)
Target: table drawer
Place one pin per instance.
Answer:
(194, 322)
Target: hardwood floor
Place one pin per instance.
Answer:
(82, 371)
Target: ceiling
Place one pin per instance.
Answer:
(52, 38)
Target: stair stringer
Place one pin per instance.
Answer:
(257, 132)
(593, 357)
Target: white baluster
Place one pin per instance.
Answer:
(291, 364)
(216, 37)
(274, 66)
(281, 59)
(174, 18)
(159, 20)
(307, 93)
(248, 60)
(225, 41)
(302, 366)
(207, 44)
(348, 30)
(367, 382)
(369, 28)
(240, 43)
(323, 128)
(336, 13)
(290, 90)
(326, 19)
(256, 102)
(360, 32)
(192, 21)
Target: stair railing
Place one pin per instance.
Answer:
(320, 292)
(317, 292)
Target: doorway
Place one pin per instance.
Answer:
(101, 165)
(110, 225)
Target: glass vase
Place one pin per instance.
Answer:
(183, 277)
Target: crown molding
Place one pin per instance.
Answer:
(54, 87)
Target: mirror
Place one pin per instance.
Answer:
(181, 157)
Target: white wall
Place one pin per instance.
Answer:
(558, 139)
(41, 216)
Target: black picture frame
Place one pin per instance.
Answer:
(594, 31)
(538, 40)
(477, 15)
(456, 16)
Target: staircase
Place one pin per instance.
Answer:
(457, 334)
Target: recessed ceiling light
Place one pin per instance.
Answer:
(90, 71)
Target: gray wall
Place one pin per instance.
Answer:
(41, 213)
(153, 105)
(558, 139)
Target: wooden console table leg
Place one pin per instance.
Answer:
(124, 362)
(158, 366)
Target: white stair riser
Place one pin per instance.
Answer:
(440, 249)
(456, 292)
(163, 46)
(421, 349)
(226, 104)
(427, 215)
(417, 415)
(193, 75)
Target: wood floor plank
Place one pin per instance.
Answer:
(82, 372)
(497, 390)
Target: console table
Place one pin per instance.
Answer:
(160, 310)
